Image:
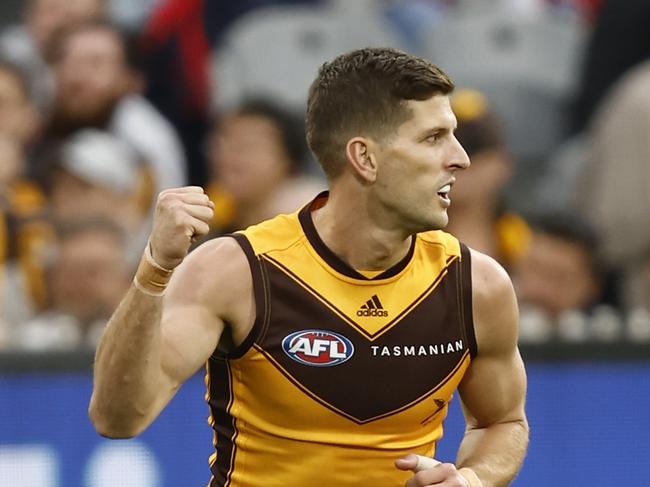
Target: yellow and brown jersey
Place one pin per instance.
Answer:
(342, 373)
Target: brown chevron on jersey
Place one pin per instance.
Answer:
(372, 336)
(341, 412)
(426, 345)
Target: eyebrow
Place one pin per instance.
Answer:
(437, 129)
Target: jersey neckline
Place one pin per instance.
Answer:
(333, 260)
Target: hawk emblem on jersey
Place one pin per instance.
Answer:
(318, 348)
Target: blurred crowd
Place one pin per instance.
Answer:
(103, 103)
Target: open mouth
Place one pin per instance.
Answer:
(444, 192)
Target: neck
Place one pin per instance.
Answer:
(353, 231)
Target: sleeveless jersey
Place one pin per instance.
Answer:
(341, 373)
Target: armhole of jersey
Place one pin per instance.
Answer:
(466, 298)
(259, 292)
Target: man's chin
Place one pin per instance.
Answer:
(433, 224)
(441, 221)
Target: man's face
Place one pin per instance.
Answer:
(91, 74)
(68, 190)
(416, 166)
(90, 274)
(555, 275)
(248, 157)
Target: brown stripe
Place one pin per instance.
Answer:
(220, 402)
(467, 317)
(342, 315)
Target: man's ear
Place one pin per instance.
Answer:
(362, 160)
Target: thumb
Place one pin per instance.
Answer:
(407, 462)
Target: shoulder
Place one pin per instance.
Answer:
(214, 274)
(441, 240)
(494, 305)
(275, 234)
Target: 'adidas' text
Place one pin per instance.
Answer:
(372, 307)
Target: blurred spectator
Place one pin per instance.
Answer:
(27, 45)
(24, 229)
(478, 215)
(104, 173)
(257, 154)
(19, 118)
(97, 79)
(87, 276)
(560, 271)
(614, 186)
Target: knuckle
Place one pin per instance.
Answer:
(180, 218)
(166, 200)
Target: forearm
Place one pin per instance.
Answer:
(494, 453)
(127, 370)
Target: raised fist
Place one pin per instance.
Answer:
(181, 215)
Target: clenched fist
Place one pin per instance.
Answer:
(181, 215)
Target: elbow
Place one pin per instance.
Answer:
(523, 424)
(111, 425)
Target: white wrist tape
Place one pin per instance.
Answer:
(470, 477)
(425, 463)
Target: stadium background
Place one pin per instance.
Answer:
(588, 402)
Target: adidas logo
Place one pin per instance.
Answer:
(372, 307)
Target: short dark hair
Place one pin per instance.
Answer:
(363, 92)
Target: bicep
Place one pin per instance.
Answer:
(494, 387)
(208, 290)
(493, 390)
(190, 334)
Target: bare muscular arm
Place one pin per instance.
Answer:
(152, 344)
(493, 390)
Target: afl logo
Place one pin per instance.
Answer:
(319, 348)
